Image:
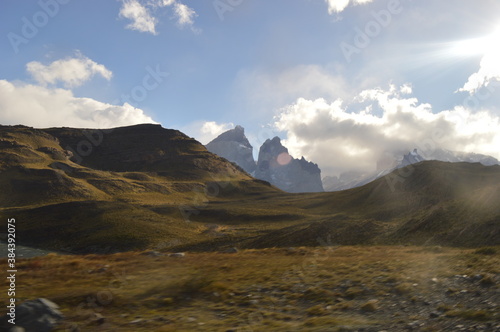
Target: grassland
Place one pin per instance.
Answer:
(145, 187)
(328, 288)
(369, 258)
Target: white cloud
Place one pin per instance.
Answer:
(205, 131)
(164, 3)
(336, 6)
(406, 89)
(142, 14)
(340, 140)
(185, 15)
(141, 18)
(489, 68)
(72, 72)
(39, 106)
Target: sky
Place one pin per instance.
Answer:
(342, 82)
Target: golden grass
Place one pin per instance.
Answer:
(271, 289)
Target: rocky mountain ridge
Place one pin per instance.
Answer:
(274, 163)
(234, 146)
(278, 167)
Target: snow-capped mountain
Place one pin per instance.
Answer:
(454, 156)
(356, 179)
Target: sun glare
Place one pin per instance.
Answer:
(478, 46)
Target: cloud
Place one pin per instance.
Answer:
(72, 72)
(489, 68)
(185, 15)
(141, 18)
(259, 90)
(337, 6)
(142, 14)
(39, 106)
(354, 136)
(205, 131)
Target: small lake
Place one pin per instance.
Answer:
(23, 251)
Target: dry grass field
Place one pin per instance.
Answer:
(328, 288)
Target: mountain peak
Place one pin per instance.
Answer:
(233, 135)
(278, 167)
(272, 147)
(411, 157)
(234, 146)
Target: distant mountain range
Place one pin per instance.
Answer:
(138, 187)
(355, 179)
(274, 164)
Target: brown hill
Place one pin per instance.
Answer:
(145, 186)
(84, 189)
(428, 203)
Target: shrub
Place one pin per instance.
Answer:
(486, 251)
(370, 306)
(317, 310)
(480, 315)
(353, 292)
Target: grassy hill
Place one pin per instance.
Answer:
(434, 203)
(120, 189)
(148, 187)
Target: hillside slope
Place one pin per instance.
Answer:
(94, 190)
(148, 187)
(428, 203)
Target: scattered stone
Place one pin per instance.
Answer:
(17, 329)
(231, 251)
(177, 255)
(162, 319)
(102, 269)
(434, 314)
(98, 319)
(152, 253)
(414, 325)
(40, 315)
